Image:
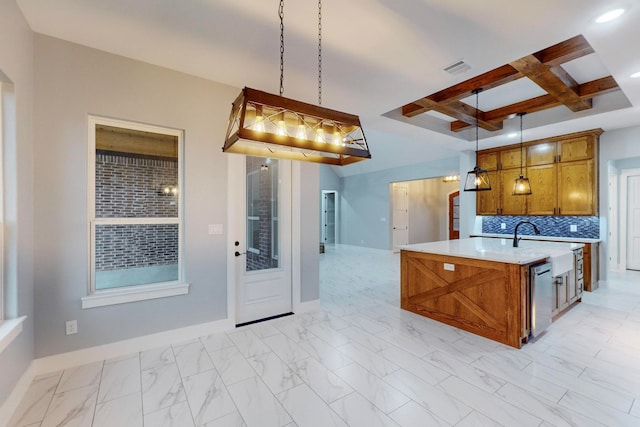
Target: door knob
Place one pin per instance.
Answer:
(239, 253)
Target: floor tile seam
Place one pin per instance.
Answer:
(635, 380)
(436, 416)
(184, 390)
(496, 396)
(277, 396)
(183, 377)
(564, 405)
(50, 399)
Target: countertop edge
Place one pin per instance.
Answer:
(541, 238)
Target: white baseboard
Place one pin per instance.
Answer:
(10, 405)
(62, 361)
(305, 307)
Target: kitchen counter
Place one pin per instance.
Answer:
(479, 284)
(491, 249)
(539, 238)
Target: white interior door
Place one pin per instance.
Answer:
(329, 217)
(633, 222)
(263, 245)
(400, 214)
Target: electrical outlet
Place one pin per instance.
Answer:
(573, 228)
(503, 226)
(72, 327)
(449, 267)
(216, 229)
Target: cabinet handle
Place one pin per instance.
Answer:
(559, 211)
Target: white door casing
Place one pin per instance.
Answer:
(400, 214)
(329, 215)
(633, 222)
(267, 291)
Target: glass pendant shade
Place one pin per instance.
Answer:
(477, 180)
(521, 186)
(266, 125)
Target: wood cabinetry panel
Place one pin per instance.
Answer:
(488, 202)
(541, 154)
(511, 205)
(488, 161)
(543, 197)
(510, 158)
(482, 297)
(576, 188)
(576, 149)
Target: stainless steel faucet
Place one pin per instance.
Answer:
(515, 232)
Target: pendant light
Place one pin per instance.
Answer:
(521, 186)
(477, 179)
(266, 125)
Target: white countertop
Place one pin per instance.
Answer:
(499, 250)
(541, 238)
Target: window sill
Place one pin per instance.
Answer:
(9, 330)
(134, 293)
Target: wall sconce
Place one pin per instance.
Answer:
(169, 190)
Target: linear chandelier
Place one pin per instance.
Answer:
(266, 125)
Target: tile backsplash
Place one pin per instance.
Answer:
(587, 227)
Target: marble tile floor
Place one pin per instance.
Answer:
(361, 361)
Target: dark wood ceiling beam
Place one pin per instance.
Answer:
(460, 111)
(565, 51)
(586, 90)
(541, 74)
(486, 81)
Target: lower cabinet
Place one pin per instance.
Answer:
(568, 286)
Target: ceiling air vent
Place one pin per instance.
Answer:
(458, 68)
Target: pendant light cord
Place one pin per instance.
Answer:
(477, 92)
(319, 52)
(521, 158)
(281, 15)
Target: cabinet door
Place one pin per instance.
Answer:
(543, 153)
(562, 300)
(488, 202)
(488, 161)
(511, 205)
(576, 149)
(543, 197)
(576, 187)
(510, 159)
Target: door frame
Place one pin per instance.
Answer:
(235, 170)
(623, 243)
(394, 248)
(450, 197)
(336, 213)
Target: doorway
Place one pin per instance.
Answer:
(629, 219)
(330, 217)
(400, 214)
(261, 202)
(454, 215)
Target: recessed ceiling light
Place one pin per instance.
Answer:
(635, 75)
(512, 135)
(609, 16)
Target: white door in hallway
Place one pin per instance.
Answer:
(633, 222)
(262, 249)
(400, 214)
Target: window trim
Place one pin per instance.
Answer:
(125, 294)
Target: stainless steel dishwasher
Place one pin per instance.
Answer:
(541, 297)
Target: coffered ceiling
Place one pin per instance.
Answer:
(382, 55)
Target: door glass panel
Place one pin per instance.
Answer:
(262, 213)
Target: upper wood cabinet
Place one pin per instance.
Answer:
(563, 172)
(488, 160)
(511, 158)
(488, 201)
(543, 153)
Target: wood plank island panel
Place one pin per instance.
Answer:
(486, 298)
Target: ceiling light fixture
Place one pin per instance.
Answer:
(477, 179)
(521, 186)
(609, 16)
(266, 125)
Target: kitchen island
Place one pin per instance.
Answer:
(479, 284)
